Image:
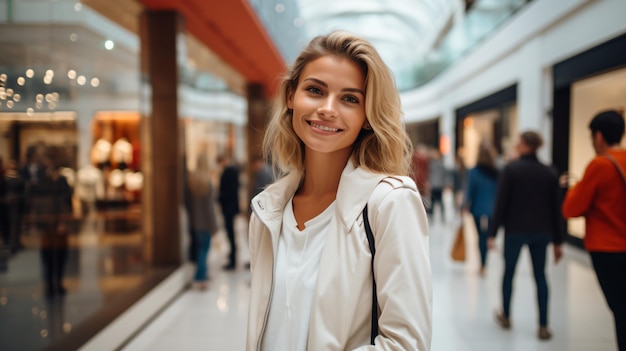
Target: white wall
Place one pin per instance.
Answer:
(523, 51)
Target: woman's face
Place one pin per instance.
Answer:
(329, 105)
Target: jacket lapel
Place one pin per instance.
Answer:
(355, 187)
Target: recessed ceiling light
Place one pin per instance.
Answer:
(109, 44)
(279, 8)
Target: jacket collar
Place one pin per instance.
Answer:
(355, 186)
(531, 157)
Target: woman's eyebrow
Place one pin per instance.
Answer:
(322, 83)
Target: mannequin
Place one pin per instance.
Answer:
(101, 150)
(122, 153)
(89, 187)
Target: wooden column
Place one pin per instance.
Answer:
(162, 148)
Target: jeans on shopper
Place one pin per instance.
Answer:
(537, 244)
(203, 240)
(482, 227)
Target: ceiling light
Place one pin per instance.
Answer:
(71, 74)
(30, 73)
(109, 44)
(279, 8)
(21, 81)
(81, 80)
(95, 82)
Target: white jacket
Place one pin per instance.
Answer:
(342, 300)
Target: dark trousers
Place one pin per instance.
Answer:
(229, 224)
(436, 196)
(483, 235)
(537, 244)
(54, 260)
(610, 269)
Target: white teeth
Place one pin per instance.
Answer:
(328, 129)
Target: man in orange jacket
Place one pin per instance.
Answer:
(600, 197)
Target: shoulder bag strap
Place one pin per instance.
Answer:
(619, 169)
(370, 239)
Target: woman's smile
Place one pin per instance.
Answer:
(322, 127)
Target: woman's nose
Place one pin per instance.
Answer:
(328, 107)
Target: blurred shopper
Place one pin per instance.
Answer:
(229, 202)
(419, 172)
(600, 197)
(459, 177)
(528, 205)
(480, 195)
(202, 220)
(51, 206)
(31, 173)
(337, 132)
(437, 180)
(14, 204)
(262, 175)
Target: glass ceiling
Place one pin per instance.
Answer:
(418, 39)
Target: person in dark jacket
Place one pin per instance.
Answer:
(229, 202)
(528, 205)
(480, 195)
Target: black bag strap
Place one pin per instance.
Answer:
(619, 169)
(370, 239)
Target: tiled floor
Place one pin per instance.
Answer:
(463, 306)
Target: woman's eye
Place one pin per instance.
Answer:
(314, 90)
(351, 99)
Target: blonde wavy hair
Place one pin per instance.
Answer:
(385, 148)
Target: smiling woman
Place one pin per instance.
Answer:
(337, 135)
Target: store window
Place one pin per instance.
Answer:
(493, 120)
(497, 127)
(72, 246)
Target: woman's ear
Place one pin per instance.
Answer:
(366, 125)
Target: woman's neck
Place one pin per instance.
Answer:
(322, 174)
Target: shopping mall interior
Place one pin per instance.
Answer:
(124, 97)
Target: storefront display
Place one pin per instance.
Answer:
(115, 154)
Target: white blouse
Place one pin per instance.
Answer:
(297, 265)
